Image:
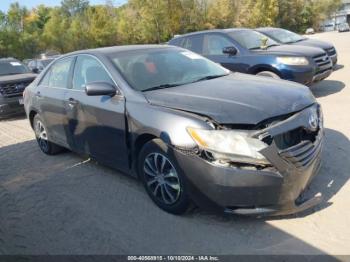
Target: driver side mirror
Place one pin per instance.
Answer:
(230, 50)
(100, 89)
(35, 70)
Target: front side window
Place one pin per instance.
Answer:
(214, 44)
(251, 39)
(151, 69)
(12, 68)
(88, 70)
(58, 74)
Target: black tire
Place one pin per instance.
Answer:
(170, 179)
(45, 145)
(268, 74)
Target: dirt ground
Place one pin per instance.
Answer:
(68, 205)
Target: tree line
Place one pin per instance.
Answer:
(76, 24)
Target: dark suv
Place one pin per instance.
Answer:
(14, 78)
(248, 51)
(287, 37)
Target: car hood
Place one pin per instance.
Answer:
(236, 98)
(18, 77)
(314, 43)
(295, 50)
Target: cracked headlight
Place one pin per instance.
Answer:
(292, 60)
(231, 145)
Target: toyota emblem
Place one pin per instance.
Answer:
(313, 121)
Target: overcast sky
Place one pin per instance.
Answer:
(4, 4)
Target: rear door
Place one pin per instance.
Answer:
(96, 124)
(50, 98)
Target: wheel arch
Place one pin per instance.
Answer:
(260, 68)
(137, 145)
(31, 116)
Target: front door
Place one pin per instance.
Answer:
(213, 45)
(96, 124)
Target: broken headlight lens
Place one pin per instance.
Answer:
(230, 145)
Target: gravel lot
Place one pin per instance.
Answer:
(69, 205)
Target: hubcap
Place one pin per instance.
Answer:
(41, 135)
(161, 178)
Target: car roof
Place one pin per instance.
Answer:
(266, 28)
(117, 49)
(227, 30)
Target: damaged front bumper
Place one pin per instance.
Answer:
(293, 208)
(258, 191)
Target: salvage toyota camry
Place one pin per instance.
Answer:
(192, 131)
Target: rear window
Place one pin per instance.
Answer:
(193, 43)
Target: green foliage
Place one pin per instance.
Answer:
(262, 13)
(78, 25)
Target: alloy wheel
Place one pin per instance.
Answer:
(41, 136)
(161, 178)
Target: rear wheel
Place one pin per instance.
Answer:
(268, 74)
(162, 178)
(42, 137)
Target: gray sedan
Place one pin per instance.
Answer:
(189, 129)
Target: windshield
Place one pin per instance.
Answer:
(251, 39)
(284, 36)
(151, 69)
(12, 68)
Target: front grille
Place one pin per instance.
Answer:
(323, 62)
(13, 89)
(303, 154)
(331, 51)
(293, 137)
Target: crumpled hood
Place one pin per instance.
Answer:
(294, 50)
(236, 98)
(18, 77)
(314, 43)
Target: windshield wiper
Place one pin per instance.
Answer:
(255, 48)
(163, 86)
(208, 78)
(12, 74)
(295, 41)
(272, 45)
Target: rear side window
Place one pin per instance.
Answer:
(58, 74)
(193, 43)
(88, 69)
(175, 41)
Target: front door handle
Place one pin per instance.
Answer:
(72, 102)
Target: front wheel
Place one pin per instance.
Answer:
(42, 137)
(268, 74)
(162, 178)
